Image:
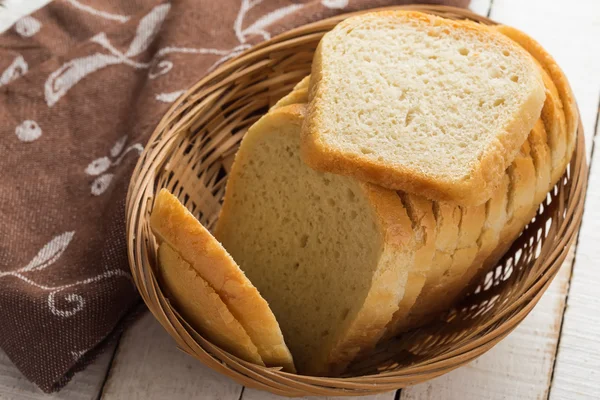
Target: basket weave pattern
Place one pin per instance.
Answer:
(191, 152)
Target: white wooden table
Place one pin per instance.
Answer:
(554, 353)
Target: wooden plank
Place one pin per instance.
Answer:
(149, 366)
(12, 10)
(577, 371)
(252, 394)
(85, 384)
(519, 367)
(570, 32)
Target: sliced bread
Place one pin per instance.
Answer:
(447, 217)
(331, 254)
(527, 183)
(202, 307)
(558, 87)
(419, 103)
(437, 293)
(173, 224)
(550, 148)
(420, 212)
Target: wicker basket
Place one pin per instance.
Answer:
(191, 152)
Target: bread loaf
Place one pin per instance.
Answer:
(173, 224)
(331, 254)
(418, 103)
(541, 163)
(202, 307)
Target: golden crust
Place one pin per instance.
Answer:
(484, 177)
(420, 211)
(542, 161)
(197, 301)
(448, 219)
(495, 220)
(525, 186)
(172, 223)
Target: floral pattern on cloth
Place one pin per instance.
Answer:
(82, 85)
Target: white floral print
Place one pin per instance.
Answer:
(98, 13)
(27, 26)
(169, 97)
(47, 256)
(335, 4)
(99, 166)
(70, 73)
(28, 131)
(15, 70)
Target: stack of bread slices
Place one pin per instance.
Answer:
(365, 201)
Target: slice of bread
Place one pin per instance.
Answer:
(202, 307)
(550, 146)
(173, 224)
(329, 253)
(419, 103)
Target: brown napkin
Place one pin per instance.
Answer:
(82, 85)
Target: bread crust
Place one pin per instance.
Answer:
(420, 212)
(172, 223)
(447, 225)
(542, 161)
(197, 301)
(485, 175)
